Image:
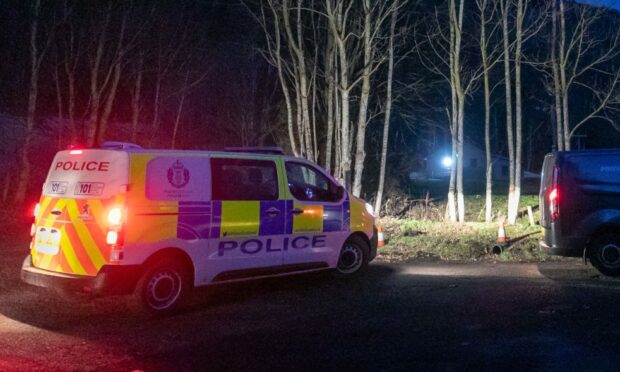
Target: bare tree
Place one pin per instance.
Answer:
(388, 109)
(38, 47)
(375, 14)
(489, 55)
(587, 61)
(337, 16)
(446, 62)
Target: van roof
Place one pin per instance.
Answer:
(258, 151)
(561, 154)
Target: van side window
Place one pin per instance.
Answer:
(308, 184)
(244, 179)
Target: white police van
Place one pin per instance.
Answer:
(121, 219)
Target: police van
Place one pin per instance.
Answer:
(121, 219)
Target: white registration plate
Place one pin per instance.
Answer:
(89, 188)
(47, 240)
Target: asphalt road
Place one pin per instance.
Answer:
(394, 317)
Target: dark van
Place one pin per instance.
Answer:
(580, 207)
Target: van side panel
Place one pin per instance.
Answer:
(594, 193)
(168, 206)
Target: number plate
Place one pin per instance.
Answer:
(47, 240)
(89, 188)
(56, 187)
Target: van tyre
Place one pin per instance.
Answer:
(353, 257)
(605, 253)
(162, 289)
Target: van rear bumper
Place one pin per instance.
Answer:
(111, 280)
(568, 248)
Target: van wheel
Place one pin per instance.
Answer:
(162, 289)
(353, 256)
(605, 253)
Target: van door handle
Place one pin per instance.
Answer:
(297, 211)
(271, 212)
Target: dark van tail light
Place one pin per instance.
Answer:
(554, 195)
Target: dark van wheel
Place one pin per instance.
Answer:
(162, 289)
(353, 256)
(605, 253)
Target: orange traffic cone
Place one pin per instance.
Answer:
(380, 237)
(501, 234)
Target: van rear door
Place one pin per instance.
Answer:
(71, 224)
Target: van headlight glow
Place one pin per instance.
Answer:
(114, 217)
(370, 209)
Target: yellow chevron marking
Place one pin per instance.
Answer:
(98, 213)
(44, 204)
(69, 253)
(88, 243)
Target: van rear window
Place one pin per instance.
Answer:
(86, 174)
(547, 171)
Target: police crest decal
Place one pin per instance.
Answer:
(178, 175)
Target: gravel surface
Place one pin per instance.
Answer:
(437, 316)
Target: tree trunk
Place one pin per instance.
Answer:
(330, 98)
(283, 82)
(297, 48)
(59, 102)
(109, 101)
(135, 100)
(23, 180)
(488, 214)
(563, 79)
(557, 89)
(388, 111)
(460, 113)
(337, 29)
(505, 4)
(177, 119)
(360, 153)
(512, 218)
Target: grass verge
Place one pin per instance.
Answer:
(410, 239)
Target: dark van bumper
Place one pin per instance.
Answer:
(111, 280)
(565, 246)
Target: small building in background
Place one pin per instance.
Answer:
(436, 169)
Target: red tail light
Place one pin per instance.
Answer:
(554, 196)
(116, 221)
(115, 217)
(35, 213)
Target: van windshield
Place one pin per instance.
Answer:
(87, 174)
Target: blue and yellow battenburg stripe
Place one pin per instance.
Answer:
(230, 219)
